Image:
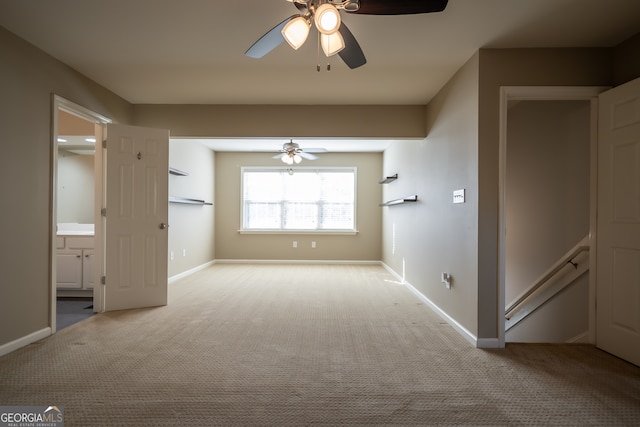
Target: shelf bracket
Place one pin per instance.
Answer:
(400, 201)
(389, 179)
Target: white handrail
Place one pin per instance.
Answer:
(567, 258)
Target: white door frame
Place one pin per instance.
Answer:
(61, 104)
(547, 93)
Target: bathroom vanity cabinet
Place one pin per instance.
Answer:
(74, 258)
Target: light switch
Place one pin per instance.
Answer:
(458, 196)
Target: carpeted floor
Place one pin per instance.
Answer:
(291, 345)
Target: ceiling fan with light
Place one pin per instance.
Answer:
(292, 153)
(335, 37)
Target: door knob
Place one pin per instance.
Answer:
(163, 226)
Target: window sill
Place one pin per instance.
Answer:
(303, 232)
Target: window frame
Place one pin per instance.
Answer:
(306, 169)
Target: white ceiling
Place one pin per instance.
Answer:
(192, 51)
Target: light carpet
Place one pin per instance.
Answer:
(297, 345)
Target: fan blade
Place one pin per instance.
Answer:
(400, 7)
(352, 54)
(307, 156)
(269, 41)
(277, 156)
(315, 150)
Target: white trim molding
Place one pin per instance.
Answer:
(295, 261)
(488, 343)
(184, 274)
(450, 320)
(24, 341)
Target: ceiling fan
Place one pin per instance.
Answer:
(292, 153)
(335, 37)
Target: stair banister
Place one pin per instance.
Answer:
(567, 258)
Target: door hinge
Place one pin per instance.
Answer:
(103, 280)
(103, 212)
(104, 143)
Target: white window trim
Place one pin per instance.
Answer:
(326, 232)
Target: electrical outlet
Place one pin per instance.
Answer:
(295, 243)
(313, 245)
(171, 255)
(184, 252)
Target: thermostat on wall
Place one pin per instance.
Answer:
(458, 196)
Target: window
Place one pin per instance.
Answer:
(308, 199)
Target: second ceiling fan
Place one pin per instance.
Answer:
(335, 37)
(292, 153)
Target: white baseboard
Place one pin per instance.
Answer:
(488, 343)
(24, 341)
(184, 274)
(480, 343)
(190, 272)
(295, 261)
(582, 338)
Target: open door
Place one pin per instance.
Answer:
(135, 221)
(618, 229)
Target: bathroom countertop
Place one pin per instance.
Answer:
(75, 229)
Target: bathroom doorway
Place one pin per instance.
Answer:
(76, 201)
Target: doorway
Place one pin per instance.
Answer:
(518, 203)
(75, 206)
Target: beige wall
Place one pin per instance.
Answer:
(363, 246)
(191, 227)
(68, 124)
(547, 210)
(626, 60)
(28, 78)
(547, 186)
(374, 121)
(432, 236)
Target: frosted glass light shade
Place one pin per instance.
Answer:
(296, 31)
(327, 18)
(331, 43)
(287, 159)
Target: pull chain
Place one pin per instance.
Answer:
(318, 54)
(318, 57)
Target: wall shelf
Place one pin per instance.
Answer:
(400, 201)
(187, 201)
(389, 179)
(174, 171)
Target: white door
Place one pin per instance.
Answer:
(136, 204)
(618, 232)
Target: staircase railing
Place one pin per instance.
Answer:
(536, 288)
